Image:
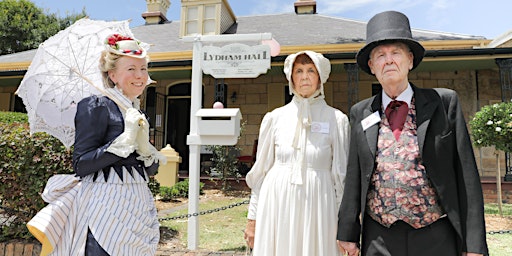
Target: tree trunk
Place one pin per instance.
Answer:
(498, 182)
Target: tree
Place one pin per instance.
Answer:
(492, 126)
(23, 25)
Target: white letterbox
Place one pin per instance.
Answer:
(218, 126)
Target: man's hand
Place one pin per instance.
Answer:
(348, 248)
(249, 232)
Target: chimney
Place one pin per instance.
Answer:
(305, 7)
(157, 9)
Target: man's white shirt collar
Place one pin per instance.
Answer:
(404, 96)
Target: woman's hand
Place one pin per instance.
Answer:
(249, 233)
(132, 121)
(348, 248)
(125, 143)
(143, 144)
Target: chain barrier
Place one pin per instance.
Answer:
(499, 232)
(186, 216)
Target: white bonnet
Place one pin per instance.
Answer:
(322, 64)
(125, 46)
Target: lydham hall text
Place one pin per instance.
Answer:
(235, 57)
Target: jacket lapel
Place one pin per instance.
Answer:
(425, 107)
(372, 132)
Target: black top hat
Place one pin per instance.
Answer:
(388, 27)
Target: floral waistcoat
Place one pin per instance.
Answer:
(400, 188)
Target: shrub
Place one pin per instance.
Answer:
(26, 163)
(225, 163)
(180, 189)
(12, 117)
(154, 186)
(492, 126)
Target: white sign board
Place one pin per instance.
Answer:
(235, 60)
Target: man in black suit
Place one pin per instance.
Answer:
(412, 186)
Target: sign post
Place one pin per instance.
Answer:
(194, 139)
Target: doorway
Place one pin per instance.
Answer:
(178, 121)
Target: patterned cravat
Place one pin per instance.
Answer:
(396, 112)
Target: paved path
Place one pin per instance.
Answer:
(175, 252)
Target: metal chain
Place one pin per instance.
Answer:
(500, 232)
(186, 216)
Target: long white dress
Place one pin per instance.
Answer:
(295, 194)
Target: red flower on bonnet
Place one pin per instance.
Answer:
(124, 45)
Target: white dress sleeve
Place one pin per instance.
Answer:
(264, 161)
(340, 155)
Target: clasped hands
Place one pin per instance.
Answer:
(351, 249)
(348, 248)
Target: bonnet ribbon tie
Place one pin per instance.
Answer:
(301, 135)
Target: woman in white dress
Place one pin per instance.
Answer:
(298, 178)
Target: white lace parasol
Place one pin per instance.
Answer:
(63, 71)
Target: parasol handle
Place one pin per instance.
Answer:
(141, 122)
(104, 92)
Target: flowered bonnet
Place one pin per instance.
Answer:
(126, 46)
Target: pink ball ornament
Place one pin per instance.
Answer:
(275, 47)
(218, 105)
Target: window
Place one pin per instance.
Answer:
(192, 20)
(209, 20)
(205, 17)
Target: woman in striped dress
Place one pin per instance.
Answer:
(108, 208)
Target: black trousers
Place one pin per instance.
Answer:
(92, 247)
(437, 239)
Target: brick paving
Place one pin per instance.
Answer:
(34, 249)
(177, 252)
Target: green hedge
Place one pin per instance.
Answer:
(180, 189)
(26, 163)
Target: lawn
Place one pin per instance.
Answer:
(223, 230)
(499, 243)
(218, 231)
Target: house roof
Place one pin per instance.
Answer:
(289, 29)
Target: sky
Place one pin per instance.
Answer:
(490, 18)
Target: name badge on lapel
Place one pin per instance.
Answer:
(370, 120)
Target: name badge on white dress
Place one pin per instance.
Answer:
(370, 120)
(320, 127)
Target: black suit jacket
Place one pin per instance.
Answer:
(447, 155)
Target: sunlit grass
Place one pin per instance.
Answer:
(223, 230)
(493, 209)
(499, 244)
(219, 231)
